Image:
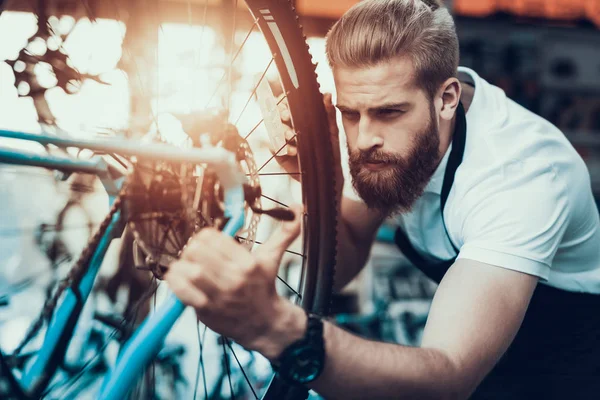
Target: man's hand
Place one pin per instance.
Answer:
(233, 290)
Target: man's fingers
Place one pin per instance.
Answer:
(289, 134)
(292, 150)
(185, 290)
(285, 115)
(284, 112)
(208, 244)
(272, 250)
(201, 276)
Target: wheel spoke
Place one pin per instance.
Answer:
(136, 65)
(281, 99)
(126, 322)
(233, 60)
(257, 242)
(277, 153)
(289, 287)
(254, 91)
(278, 277)
(196, 59)
(175, 237)
(67, 386)
(227, 367)
(154, 231)
(253, 129)
(201, 363)
(241, 368)
(152, 383)
(279, 173)
(275, 201)
(232, 43)
(163, 242)
(157, 61)
(262, 120)
(88, 10)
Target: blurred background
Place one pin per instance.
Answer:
(545, 54)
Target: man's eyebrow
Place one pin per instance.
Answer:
(384, 106)
(387, 106)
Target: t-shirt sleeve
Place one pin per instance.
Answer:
(515, 223)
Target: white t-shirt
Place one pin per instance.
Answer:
(521, 198)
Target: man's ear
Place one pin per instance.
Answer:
(448, 98)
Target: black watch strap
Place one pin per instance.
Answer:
(314, 328)
(303, 361)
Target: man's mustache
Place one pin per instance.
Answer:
(375, 157)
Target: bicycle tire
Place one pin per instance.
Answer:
(280, 26)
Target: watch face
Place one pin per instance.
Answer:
(306, 365)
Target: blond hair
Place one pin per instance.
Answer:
(375, 31)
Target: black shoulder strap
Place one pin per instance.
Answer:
(437, 271)
(456, 154)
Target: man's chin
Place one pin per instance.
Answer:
(388, 190)
(388, 204)
(376, 180)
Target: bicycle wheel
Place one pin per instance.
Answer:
(290, 59)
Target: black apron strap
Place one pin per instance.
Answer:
(437, 271)
(459, 139)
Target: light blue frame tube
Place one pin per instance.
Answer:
(65, 311)
(64, 164)
(127, 147)
(148, 339)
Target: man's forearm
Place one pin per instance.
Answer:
(356, 368)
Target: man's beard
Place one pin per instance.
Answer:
(403, 179)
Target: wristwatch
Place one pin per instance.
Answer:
(303, 361)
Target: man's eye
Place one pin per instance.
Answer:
(350, 115)
(389, 113)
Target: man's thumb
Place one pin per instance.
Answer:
(272, 250)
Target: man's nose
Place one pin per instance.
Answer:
(368, 135)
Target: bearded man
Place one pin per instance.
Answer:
(490, 200)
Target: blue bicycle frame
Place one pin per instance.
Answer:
(145, 344)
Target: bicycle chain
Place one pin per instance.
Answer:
(75, 275)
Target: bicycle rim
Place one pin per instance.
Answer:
(281, 28)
